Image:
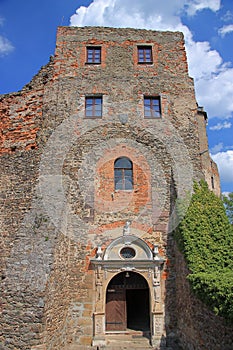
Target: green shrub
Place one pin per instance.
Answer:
(205, 237)
(216, 290)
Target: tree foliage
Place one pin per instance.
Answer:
(228, 203)
(205, 236)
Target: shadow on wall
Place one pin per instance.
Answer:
(163, 343)
(172, 340)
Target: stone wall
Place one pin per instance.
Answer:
(57, 176)
(197, 327)
(209, 167)
(21, 114)
(26, 254)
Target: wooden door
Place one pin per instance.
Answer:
(116, 310)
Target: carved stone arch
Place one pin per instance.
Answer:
(144, 251)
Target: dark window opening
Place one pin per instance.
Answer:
(123, 174)
(94, 55)
(93, 107)
(152, 107)
(212, 182)
(145, 54)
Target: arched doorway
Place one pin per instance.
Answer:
(127, 303)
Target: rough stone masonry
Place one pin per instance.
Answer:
(59, 196)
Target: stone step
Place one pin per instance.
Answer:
(133, 340)
(126, 346)
(117, 343)
(123, 346)
(131, 347)
(127, 341)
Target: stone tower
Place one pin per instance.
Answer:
(97, 150)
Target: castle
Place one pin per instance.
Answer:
(97, 151)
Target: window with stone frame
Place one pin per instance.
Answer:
(94, 54)
(152, 107)
(93, 106)
(145, 54)
(123, 174)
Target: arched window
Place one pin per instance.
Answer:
(123, 174)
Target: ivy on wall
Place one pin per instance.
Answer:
(205, 237)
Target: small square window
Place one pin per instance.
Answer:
(93, 107)
(94, 55)
(145, 54)
(152, 107)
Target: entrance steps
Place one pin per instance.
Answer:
(122, 345)
(127, 341)
(131, 345)
(123, 341)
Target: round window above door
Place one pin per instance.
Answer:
(127, 253)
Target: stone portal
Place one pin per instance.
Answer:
(128, 290)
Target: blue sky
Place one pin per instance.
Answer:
(28, 36)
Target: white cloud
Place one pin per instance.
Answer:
(225, 194)
(196, 5)
(213, 78)
(220, 126)
(225, 30)
(215, 92)
(217, 148)
(150, 14)
(220, 147)
(204, 62)
(5, 46)
(224, 161)
(228, 16)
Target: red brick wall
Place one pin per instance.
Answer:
(19, 115)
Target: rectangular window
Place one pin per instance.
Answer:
(94, 54)
(152, 107)
(145, 54)
(93, 107)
